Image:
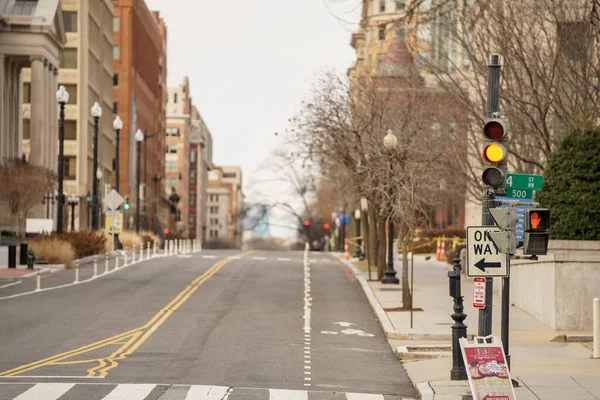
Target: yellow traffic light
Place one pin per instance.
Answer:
(494, 153)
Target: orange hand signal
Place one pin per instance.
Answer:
(535, 220)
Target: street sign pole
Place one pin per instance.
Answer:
(488, 201)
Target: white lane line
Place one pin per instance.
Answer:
(277, 394)
(46, 391)
(364, 396)
(259, 258)
(284, 259)
(50, 377)
(11, 284)
(203, 392)
(234, 257)
(210, 257)
(130, 392)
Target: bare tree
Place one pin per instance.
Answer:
(23, 186)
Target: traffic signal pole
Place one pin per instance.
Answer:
(488, 200)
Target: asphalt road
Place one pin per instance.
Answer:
(216, 325)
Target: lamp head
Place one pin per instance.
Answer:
(96, 110)
(62, 96)
(139, 136)
(390, 141)
(117, 123)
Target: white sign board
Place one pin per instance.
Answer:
(478, 292)
(39, 225)
(483, 259)
(112, 201)
(363, 204)
(356, 214)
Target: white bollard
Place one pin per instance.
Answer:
(147, 250)
(38, 285)
(167, 247)
(95, 266)
(117, 262)
(133, 255)
(76, 272)
(106, 263)
(124, 256)
(154, 249)
(596, 322)
(176, 246)
(141, 251)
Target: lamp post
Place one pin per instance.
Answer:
(390, 142)
(73, 201)
(48, 197)
(97, 209)
(96, 113)
(146, 137)
(88, 201)
(139, 138)
(117, 126)
(156, 180)
(62, 97)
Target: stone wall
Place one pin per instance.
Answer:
(559, 288)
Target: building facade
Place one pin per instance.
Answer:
(201, 144)
(221, 180)
(178, 152)
(139, 87)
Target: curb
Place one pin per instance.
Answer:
(42, 271)
(425, 391)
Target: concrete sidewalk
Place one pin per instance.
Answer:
(545, 369)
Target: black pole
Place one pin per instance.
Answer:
(390, 274)
(358, 241)
(145, 181)
(73, 216)
(118, 131)
(95, 178)
(137, 201)
(61, 168)
(488, 200)
(459, 329)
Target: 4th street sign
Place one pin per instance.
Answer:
(483, 259)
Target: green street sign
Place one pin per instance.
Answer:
(522, 181)
(519, 193)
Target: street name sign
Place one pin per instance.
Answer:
(522, 181)
(521, 194)
(483, 259)
(478, 292)
(520, 214)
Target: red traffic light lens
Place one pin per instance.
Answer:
(494, 130)
(326, 226)
(306, 222)
(166, 231)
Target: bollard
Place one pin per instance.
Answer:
(176, 246)
(124, 256)
(95, 266)
(141, 251)
(133, 255)
(38, 282)
(106, 263)
(167, 247)
(459, 329)
(148, 251)
(596, 322)
(117, 261)
(154, 249)
(76, 271)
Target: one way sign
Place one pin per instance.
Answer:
(483, 259)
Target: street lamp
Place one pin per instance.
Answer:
(62, 97)
(146, 137)
(157, 178)
(117, 126)
(96, 113)
(139, 138)
(390, 142)
(73, 201)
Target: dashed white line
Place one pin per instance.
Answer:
(210, 257)
(259, 258)
(284, 259)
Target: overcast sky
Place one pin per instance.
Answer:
(251, 63)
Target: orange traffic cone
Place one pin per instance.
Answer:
(443, 252)
(346, 252)
(438, 250)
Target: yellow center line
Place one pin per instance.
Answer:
(133, 343)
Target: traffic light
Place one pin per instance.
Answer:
(506, 219)
(127, 205)
(536, 236)
(326, 226)
(166, 231)
(495, 152)
(306, 223)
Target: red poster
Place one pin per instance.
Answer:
(488, 373)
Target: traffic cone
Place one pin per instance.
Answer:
(443, 252)
(454, 242)
(346, 252)
(438, 250)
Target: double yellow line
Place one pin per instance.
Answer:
(130, 340)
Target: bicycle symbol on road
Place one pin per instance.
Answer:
(348, 330)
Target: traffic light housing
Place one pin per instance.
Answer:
(127, 206)
(506, 219)
(536, 235)
(495, 152)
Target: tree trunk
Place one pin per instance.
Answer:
(372, 251)
(381, 264)
(406, 295)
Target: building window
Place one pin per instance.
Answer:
(172, 149)
(192, 199)
(400, 32)
(574, 39)
(170, 184)
(382, 6)
(192, 220)
(173, 132)
(193, 176)
(70, 21)
(72, 89)
(116, 80)
(116, 52)
(115, 107)
(381, 34)
(68, 58)
(175, 98)
(70, 130)
(193, 156)
(400, 5)
(26, 128)
(171, 166)
(214, 210)
(116, 24)
(70, 167)
(26, 93)
(229, 175)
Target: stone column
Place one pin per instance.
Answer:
(13, 112)
(3, 133)
(37, 112)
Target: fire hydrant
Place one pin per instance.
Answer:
(30, 258)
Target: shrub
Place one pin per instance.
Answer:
(53, 250)
(571, 187)
(129, 239)
(148, 237)
(85, 243)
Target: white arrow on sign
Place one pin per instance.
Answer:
(344, 323)
(112, 200)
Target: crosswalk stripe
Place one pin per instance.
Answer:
(46, 391)
(278, 394)
(202, 392)
(130, 392)
(363, 396)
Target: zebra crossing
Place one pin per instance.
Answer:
(101, 391)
